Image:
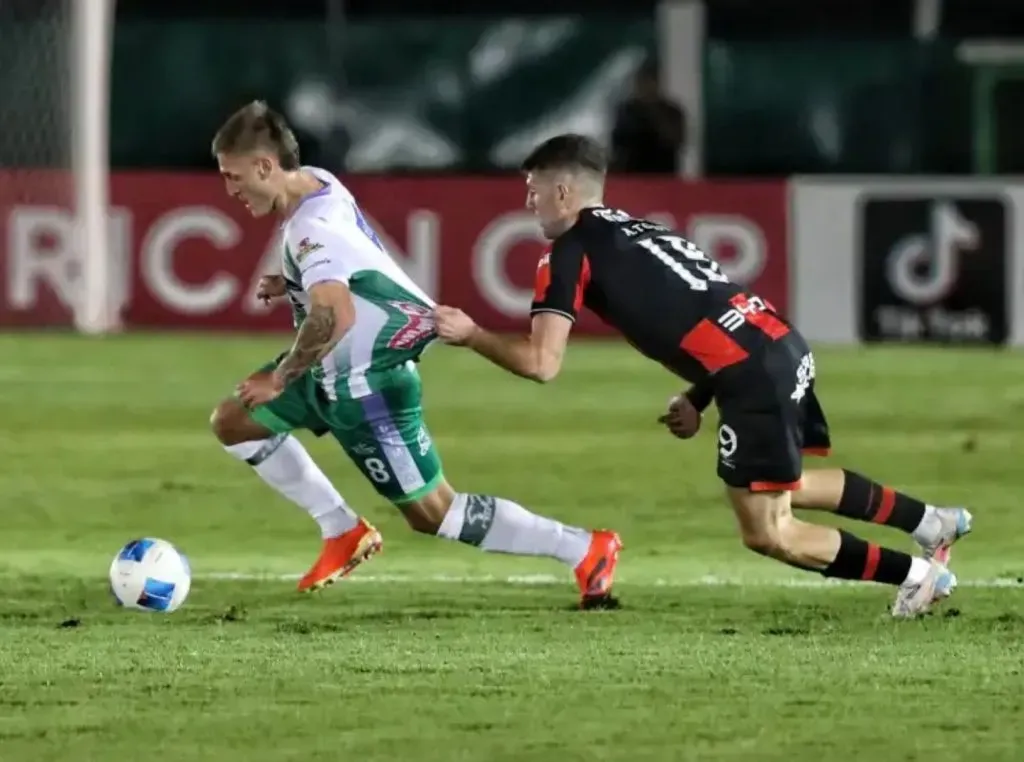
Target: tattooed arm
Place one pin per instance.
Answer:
(331, 314)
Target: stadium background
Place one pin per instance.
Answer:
(857, 163)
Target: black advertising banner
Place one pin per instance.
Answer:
(933, 269)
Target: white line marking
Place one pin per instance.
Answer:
(551, 579)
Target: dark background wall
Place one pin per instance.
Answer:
(379, 85)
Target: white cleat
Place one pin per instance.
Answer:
(949, 526)
(915, 600)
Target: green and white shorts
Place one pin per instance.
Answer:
(383, 432)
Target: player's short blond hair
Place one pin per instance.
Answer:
(256, 127)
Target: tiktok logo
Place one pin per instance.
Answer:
(923, 268)
(935, 268)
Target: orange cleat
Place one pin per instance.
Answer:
(340, 555)
(596, 572)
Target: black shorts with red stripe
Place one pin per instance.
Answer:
(769, 416)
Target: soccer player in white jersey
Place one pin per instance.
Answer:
(361, 325)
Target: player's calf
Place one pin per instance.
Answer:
(768, 527)
(426, 514)
(849, 494)
(281, 461)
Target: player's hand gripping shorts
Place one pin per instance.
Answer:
(381, 431)
(769, 417)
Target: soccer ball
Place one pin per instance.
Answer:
(150, 575)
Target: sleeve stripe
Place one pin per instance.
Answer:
(538, 310)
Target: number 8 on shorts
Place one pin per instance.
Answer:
(377, 470)
(384, 435)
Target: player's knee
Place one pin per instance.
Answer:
(227, 422)
(765, 541)
(763, 519)
(779, 539)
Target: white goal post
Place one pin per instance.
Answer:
(95, 308)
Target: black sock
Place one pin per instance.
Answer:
(866, 501)
(858, 559)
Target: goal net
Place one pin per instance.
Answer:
(54, 99)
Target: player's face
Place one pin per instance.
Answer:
(251, 178)
(548, 197)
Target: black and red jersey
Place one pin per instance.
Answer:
(666, 297)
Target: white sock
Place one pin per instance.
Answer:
(283, 463)
(501, 526)
(930, 526)
(919, 569)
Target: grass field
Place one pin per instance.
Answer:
(436, 652)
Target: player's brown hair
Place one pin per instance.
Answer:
(255, 127)
(569, 151)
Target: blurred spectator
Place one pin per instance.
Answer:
(650, 130)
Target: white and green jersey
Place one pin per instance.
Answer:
(327, 238)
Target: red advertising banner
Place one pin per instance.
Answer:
(187, 256)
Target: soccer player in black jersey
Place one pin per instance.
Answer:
(677, 307)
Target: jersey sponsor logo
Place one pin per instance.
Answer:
(742, 309)
(748, 309)
(804, 377)
(305, 248)
(934, 269)
(418, 326)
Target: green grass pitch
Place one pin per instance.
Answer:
(435, 652)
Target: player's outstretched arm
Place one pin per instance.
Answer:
(537, 357)
(331, 314)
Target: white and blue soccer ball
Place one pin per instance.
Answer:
(150, 575)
